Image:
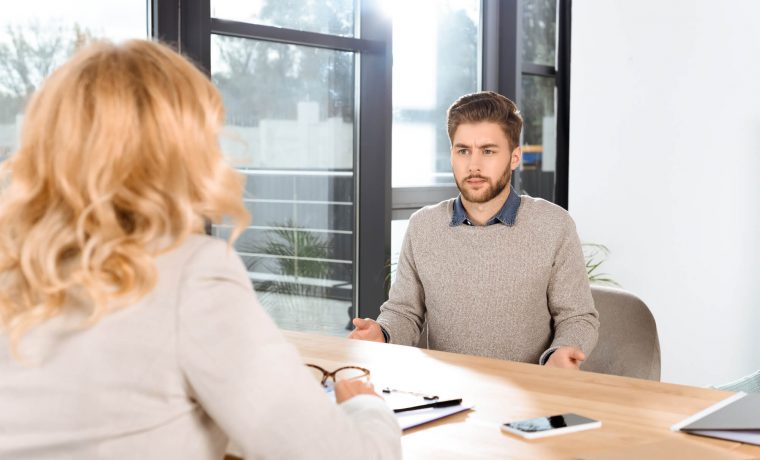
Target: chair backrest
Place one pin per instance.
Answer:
(628, 342)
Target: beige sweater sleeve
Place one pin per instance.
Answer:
(574, 316)
(253, 383)
(403, 314)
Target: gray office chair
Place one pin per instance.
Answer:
(628, 343)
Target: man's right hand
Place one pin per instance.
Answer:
(367, 329)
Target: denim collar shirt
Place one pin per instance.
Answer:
(506, 215)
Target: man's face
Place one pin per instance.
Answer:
(482, 161)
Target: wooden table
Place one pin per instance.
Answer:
(632, 411)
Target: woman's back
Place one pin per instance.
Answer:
(168, 376)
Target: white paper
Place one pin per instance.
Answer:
(418, 417)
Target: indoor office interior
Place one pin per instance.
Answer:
(642, 119)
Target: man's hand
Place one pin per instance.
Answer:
(566, 357)
(367, 329)
(347, 389)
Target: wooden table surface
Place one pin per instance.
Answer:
(632, 411)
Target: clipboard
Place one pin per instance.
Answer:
(406, 406)
(413, 418)
(414, 409)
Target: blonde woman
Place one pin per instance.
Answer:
(126, 332)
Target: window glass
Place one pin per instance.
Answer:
(290, 130)
(335, 17)
(435, 61)
(539, 31)
(36, 36)
(536, 177)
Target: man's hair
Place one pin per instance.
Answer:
(486, 106)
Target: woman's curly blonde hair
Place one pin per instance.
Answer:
(118, 161)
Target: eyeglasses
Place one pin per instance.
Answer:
(341, 373)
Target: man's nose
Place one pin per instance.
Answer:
(474, 164)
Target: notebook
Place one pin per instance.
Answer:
(736, 418)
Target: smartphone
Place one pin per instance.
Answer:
(550, 426)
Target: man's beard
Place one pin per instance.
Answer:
(488, 193)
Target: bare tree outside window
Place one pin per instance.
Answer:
(36, 36)
(29, 53)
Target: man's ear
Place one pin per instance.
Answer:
(516, 158)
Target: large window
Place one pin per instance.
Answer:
(538, 98)
(435, 61)
(299, 84)
(290, 129)
(36, 36)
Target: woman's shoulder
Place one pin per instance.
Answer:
(198, 248)
(203, 256)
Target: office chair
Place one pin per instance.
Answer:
(628, 342)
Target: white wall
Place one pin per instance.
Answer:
(665, 169)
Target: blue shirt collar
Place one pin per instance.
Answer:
(506, 215)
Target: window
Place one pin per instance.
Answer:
(538, 98)
(36, 36)
(435, 61)
(298, 86)
(290, 130)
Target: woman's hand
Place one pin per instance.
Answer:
(347, 389)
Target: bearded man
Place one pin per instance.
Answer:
(490, 273)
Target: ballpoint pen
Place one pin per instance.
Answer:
(436, 404)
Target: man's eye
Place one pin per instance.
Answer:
(487, 152)
(462, 151)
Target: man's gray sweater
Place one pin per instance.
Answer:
(508, 292)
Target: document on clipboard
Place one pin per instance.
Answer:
(414, 409)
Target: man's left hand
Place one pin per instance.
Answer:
(566, 357)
